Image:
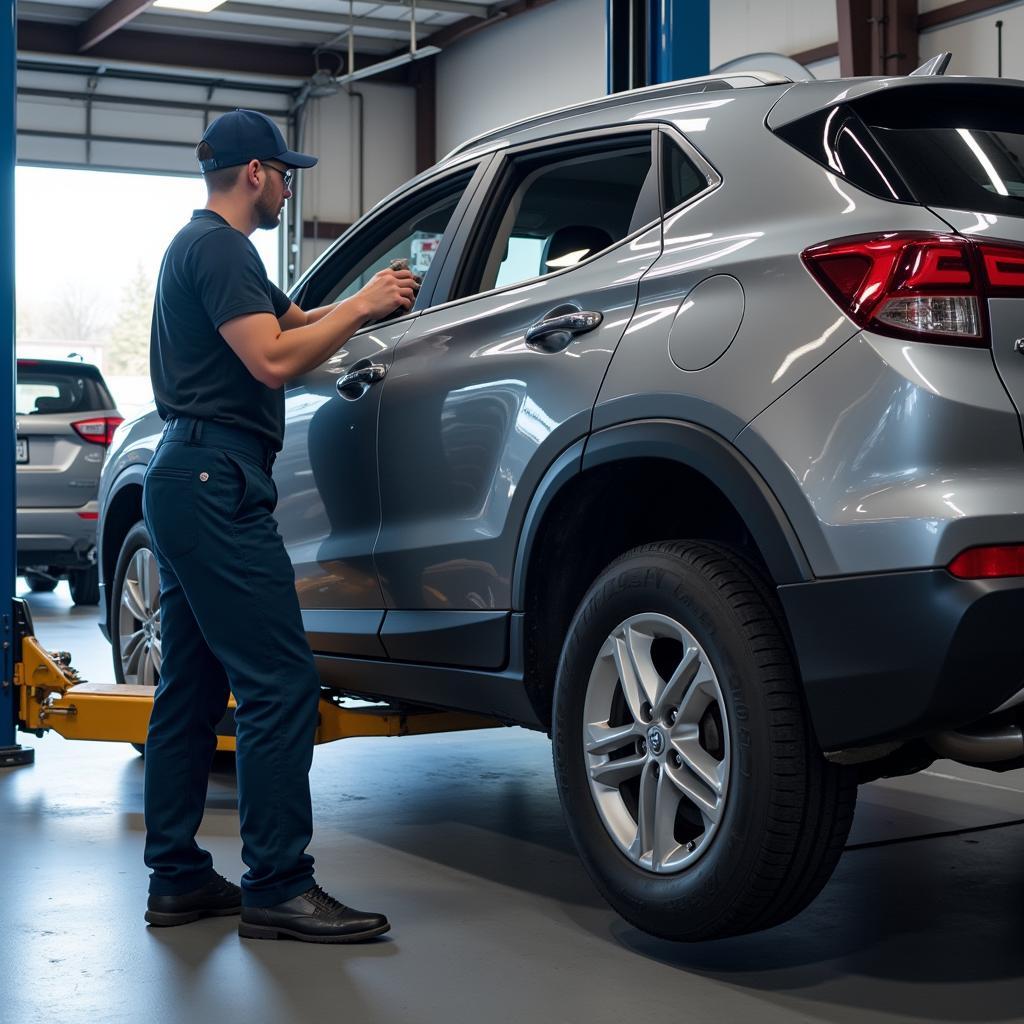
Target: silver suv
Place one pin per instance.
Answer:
(701, 450)
(64, 420)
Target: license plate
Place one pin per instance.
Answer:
(22, 449)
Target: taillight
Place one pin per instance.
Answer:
(989, 563)
(918, 285)
(99, 431)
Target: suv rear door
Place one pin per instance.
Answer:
(63, 415)
(474, 410)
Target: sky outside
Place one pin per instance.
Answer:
(91, 228)
(88, 232)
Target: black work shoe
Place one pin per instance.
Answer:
(312, 917)
(218, 898)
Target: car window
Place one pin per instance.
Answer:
(411, 231)
(558, 209)
(681, 178)
(42, 391)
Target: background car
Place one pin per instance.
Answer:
(700, 449)
(66, 418)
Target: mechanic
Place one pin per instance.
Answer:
(224, 342)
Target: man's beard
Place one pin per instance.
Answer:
(269, 213)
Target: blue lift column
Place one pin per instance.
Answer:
(10, 752)
(650, 42)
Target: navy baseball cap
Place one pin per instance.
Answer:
(244, 135)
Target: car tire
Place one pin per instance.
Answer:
(40, 584)
(736, 821)
(85, 585)
(136, 546)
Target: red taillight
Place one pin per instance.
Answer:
(989, 563)
(99, 431)
(918, 285)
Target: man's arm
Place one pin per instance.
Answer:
(275, 353)
(295, 316)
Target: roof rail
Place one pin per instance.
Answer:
(736, 80)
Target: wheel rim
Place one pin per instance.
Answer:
(139, 620)
(656, 743)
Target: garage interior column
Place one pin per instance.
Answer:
(649, 42)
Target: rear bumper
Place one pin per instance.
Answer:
(898, 655)
(59, 537)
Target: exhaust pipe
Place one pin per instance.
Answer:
(1004, 743)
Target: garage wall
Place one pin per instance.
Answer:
(331, 132)
(973, 41)
(739, 27)
(545, 58)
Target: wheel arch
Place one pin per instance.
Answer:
(708, 489)
(122, 510)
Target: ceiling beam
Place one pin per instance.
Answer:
(335, 22)
(170, 50)
(107, 20)
(467, 26)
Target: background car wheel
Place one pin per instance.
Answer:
(135, 613)
(691, 782)
(85, 585)
(40, 584)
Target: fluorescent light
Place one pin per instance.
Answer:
(388, 65)
(196, 6)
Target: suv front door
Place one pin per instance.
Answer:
(488, 389)
(326, 474)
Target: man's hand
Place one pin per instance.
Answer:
(388, 291)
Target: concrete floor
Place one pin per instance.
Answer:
(460, 840)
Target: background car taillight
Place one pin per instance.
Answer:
(100, 430)
(918, 285)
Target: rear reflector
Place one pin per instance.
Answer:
(88, 515)
(988, 563)
(918, 285)
(98, 431)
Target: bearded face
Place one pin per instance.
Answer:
(270, 203)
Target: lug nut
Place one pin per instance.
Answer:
(657, 769)
(677, 759)
(642, 746)
(645, 711)
(673, 715)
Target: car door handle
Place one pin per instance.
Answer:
(555, 332)
(355, 384)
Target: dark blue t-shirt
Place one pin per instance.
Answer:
(210, 274)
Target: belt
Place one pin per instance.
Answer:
(220, 435)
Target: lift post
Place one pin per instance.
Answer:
(11, 753)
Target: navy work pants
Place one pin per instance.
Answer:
(229, 619)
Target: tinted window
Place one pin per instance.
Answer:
(965, 168)
(937, 144)
(413, 232)
(554, 211)
(840, 141)
(41, 391)
(682, 179)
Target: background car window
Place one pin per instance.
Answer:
(412, 233)
(557, 212)
(43, 392)
(682, 178)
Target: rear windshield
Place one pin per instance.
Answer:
(945, 146)
(43, 391)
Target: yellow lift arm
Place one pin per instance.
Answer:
(52, 696)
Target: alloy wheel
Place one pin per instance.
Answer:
(139, 620)
(656, 743)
